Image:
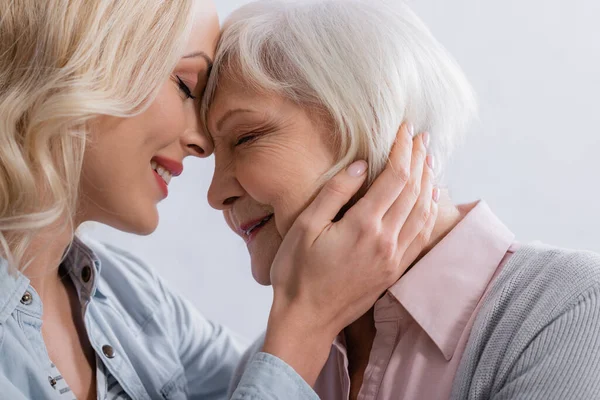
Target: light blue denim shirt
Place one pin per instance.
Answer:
(156, 344)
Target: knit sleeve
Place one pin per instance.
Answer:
(562, 361)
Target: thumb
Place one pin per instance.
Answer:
(335, 194)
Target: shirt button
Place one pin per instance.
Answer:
(108, 351)
(26, 299)
(86, 274)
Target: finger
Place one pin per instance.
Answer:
(398, 213)
(419, 214)
(420, 243)
(388, 185)
(335, 194)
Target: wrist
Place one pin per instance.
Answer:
(296, 336)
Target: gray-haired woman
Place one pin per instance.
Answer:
(301, 89)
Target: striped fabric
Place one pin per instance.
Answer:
(58, 383)
(108, 387)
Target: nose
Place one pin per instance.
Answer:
(197, 142)
(224, 188)
(195, 139)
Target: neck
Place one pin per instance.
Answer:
(449, 215)
(361, 333)
(44, 255)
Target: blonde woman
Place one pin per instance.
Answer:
(98, 107)
(310, 86)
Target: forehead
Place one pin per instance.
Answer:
(232, 94)
(234, 91)
(205, 29)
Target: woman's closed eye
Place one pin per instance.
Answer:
(247, 139)
(185, 89)
(250, 132)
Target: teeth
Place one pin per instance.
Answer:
(166, 175)
(265, 219)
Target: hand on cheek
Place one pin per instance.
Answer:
(325, 274)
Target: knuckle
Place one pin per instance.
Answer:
(419, 149)
(402, 174)
(406, 139)
(386, 247)
(335, 188)
(415, 189)
(424, 216)
(427, 174)
(368, 227)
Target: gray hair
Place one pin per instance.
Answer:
(368, 65)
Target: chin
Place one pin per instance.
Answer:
(261, 274)
(137, 224)
(262, 254)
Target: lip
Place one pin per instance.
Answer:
(242, 229)
(161, 184)
(175, 168)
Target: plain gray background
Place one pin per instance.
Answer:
(533, 156)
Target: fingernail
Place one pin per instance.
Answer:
(411, 129)
(430, 161)
(426, 139)
(357, 168)
(436, 195)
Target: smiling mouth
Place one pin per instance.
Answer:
(254, 228)
(162, 172)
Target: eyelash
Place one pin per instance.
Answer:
(246, 139)
(185, 89)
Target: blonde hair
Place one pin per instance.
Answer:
(369, 65)
(62, 63)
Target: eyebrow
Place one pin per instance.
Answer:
(229, 114)
(202, 54)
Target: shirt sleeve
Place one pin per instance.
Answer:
(208, 351)
(264, 376)
(563, 360)
(269, 378)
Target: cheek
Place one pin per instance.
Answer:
(287, 184)
(117, 181)
(168, 117)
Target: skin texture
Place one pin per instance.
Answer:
(119, 189)
(268, 160)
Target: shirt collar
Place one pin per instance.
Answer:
(78, 261)
(84, 269)
(443, 289)
(12, 287)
